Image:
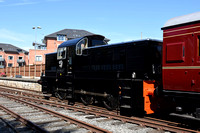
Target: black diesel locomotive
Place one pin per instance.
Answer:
(124, 74)
(135, 76)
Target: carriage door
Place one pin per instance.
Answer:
(196, 70)
(69, 60)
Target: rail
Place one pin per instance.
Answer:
(140, 121)
(64, 117)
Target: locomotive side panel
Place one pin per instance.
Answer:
(107, 71)
(144, 59)
(120, 61)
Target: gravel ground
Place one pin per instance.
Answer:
(46, 121)
(114, 126)
(54, 124)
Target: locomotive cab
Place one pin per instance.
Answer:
(67, 54)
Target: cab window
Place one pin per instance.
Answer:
(98, 42)
(61, 53)
(81, 45)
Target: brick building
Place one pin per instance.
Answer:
(51, 42)
(12, 56)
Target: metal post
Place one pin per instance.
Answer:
(24, 71)
(35, 71)
(29, 71)
(40, 69)
(19, 70)
(38, 27)
(15, 71)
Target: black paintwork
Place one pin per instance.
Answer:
(101, 67)
(105, 62)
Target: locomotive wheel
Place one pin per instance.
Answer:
(110, 102)
(87, 100)
(60, 94)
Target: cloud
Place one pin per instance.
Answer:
(11, 36)
(20, 40)
(53, 0)
(20, 3)
(27, 48)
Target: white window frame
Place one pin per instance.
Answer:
(60, 51)
(61, 37)
(38, 60)
(79, 48)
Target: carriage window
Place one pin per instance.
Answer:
(81, 45)
(61, 53)
(175, 52)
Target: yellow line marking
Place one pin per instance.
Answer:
(181, 67)
(182, 29)
(181, 34)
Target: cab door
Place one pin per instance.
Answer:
(69, 60)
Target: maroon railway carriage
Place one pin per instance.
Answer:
(181, 63)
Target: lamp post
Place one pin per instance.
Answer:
(35, 28)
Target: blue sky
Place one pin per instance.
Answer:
(118, 20)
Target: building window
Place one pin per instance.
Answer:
(10, 64)
(38, 58)
(21, 64)
(19, 50)
(10, 57)
(61, 37)
(40, 47)
(20, 58)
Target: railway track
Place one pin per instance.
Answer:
(42, 119)
(106, 116)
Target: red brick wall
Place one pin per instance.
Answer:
(52, 45)
(16, 56)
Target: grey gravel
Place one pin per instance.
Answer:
(54, 124)
(114, 126)
(46, 121)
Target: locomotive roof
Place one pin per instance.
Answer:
(51, 53)
(190, 18)
(75, 41)
(130, 42)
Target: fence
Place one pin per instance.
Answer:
(27, 71)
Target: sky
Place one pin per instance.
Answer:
(117, 20)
